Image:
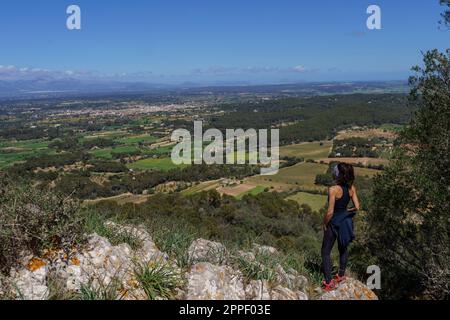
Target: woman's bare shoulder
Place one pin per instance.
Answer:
(333, 189)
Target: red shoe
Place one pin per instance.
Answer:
(328, 286)
(339, 279)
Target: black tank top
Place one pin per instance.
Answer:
(341, 204)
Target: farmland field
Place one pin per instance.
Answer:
(18, 151)
(164, 164)
(137, 139)
(301, 175)
(255, 191)
(307, 150)
(363, 161)
(315, 201)
(202, 186)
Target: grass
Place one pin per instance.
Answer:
(95, 224)
(366, 172)
(145, 138)
(30, 144)
(107, 153)
(315, 201)
(102, 153)
(392, 127)
(159, 151)
(107, 292)
(308, 150)
(300, 175)
(255, 191)
(164, 164)
(175, 243)
(57, 289)
(263, 267)
(158, 279)
(12, 152)
(202, 186)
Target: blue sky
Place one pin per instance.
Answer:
(218, 40)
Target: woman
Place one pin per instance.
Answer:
(338, 222)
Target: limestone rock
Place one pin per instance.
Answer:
(211, 282)
(350, 289)
(291, 279)
(30, 283)
(282, 293)
(202, 250)
(258, 249)
(257, 290)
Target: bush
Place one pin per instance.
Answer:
(158, 279)
(32, 220)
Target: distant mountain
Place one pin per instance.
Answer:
(49, 86)
(61, 87)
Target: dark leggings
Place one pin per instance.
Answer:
(329, 239)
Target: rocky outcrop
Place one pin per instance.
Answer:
(98, 264)
(211, 282)
(350, 289)
(29, 283)
(202, 250)
(214, 274)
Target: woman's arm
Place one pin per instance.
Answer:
(355, 200)
(330, 211)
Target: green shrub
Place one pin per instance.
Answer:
(103, 292)
(263, 267)
(158, 279)
(32, 219)
(175, 243)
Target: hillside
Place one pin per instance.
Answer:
(138, 270)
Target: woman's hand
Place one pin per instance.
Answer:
(324, 227)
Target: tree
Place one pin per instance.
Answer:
(446, 14)
(408, 220)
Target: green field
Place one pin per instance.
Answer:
(17, 151)
(302, 175)
(308, 150)
(144, 138)
(163, 150)
(255, 191)
(366, 172)
(315, 201)
(107, 153)
(164, 164)
(392, 127)
(202, 186)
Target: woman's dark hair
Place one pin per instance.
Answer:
(344, 174)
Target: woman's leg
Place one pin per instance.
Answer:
(343, 258)
(327, 245)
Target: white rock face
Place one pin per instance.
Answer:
(98, 264)
(291, 279)
(211, 282)
(258, 290)
(202, 250)
(350, 289)
(30, 285)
